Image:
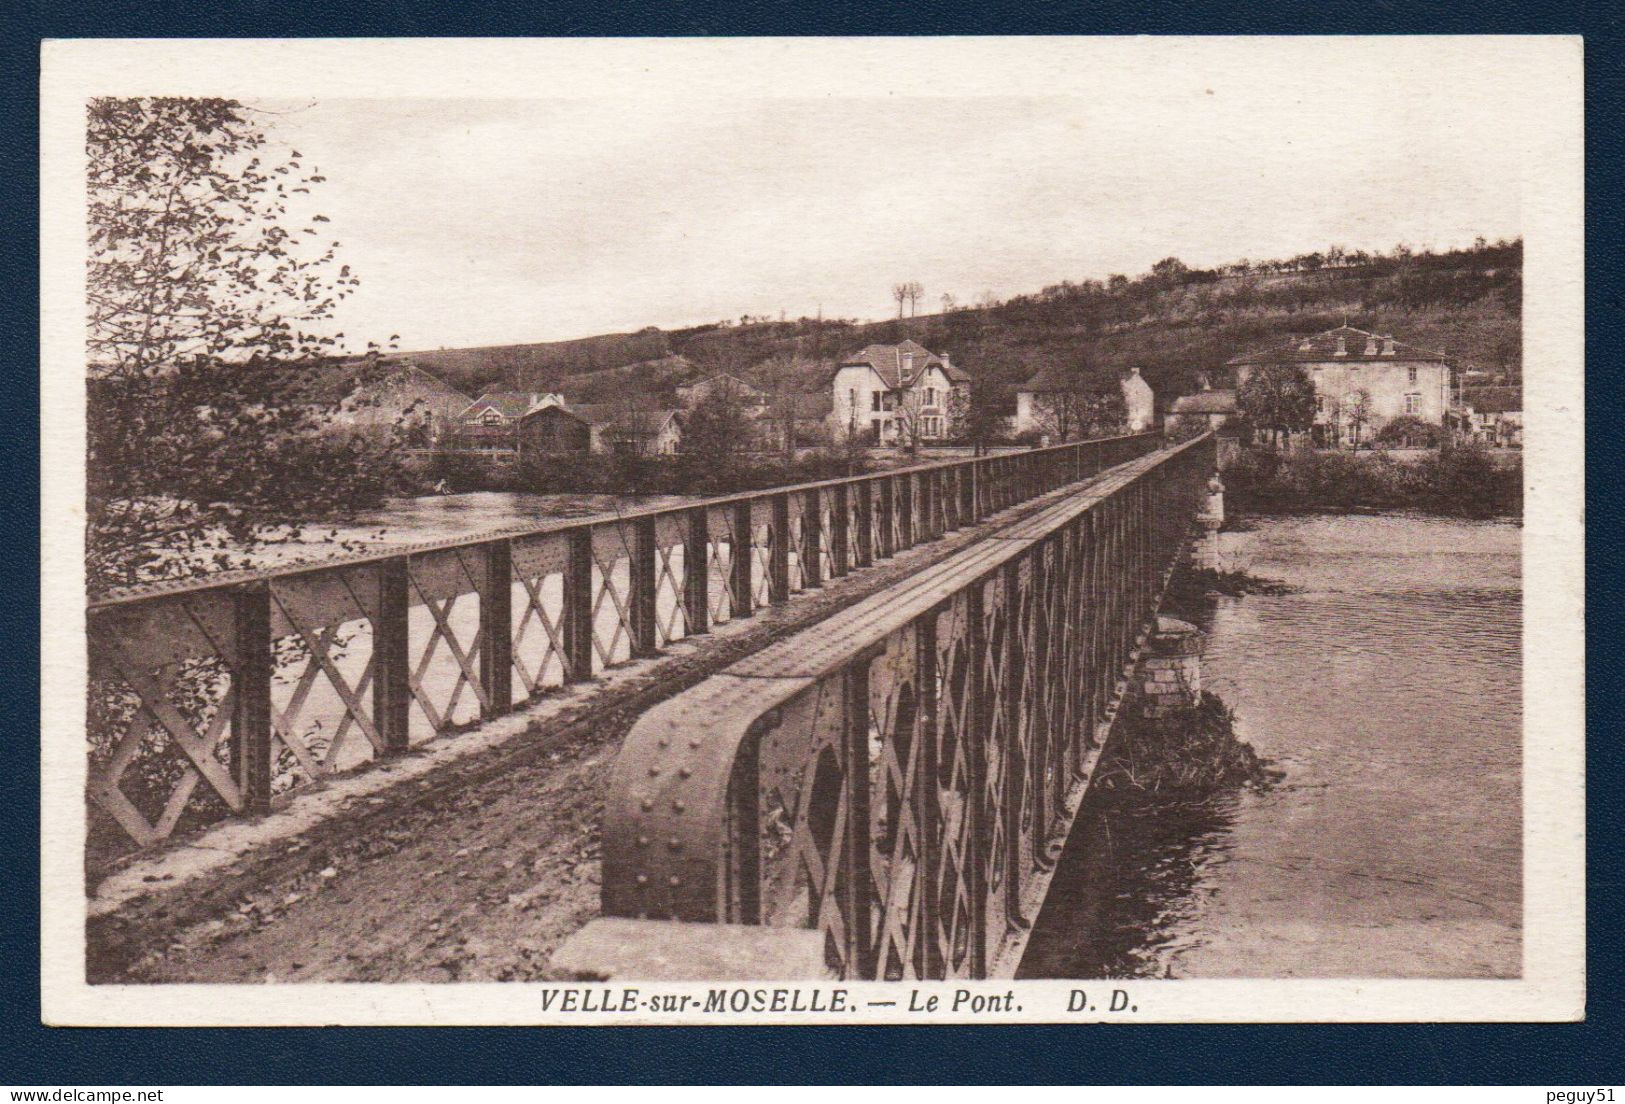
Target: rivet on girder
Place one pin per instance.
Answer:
(694, 743)
(675, 880)
(676, 844)
(647, 805)
(643, 879)
(678, 806)
(653, 771)
(643, 841)
(683, 772)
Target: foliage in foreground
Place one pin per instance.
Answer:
(209, 279)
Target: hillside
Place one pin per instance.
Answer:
(1176, 323)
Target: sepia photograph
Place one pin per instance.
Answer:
(860, 530)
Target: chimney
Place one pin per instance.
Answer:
(1342, 346)
(1388, 346)
(946, 363)
(1370, 344)
(1133, 370)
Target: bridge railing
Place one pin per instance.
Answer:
(902, 776)
(218, 695)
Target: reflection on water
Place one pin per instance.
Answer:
(1388, 689)
(431, 518)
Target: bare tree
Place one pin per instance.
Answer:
(785, 378)
(899, 292)
(915, 290)
(948, 302)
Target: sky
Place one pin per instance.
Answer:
(494, 221)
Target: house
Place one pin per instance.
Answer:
(894, 393)
(1070, 404)
(1208, 408)
(627, 429)
(1491, 415)
(492, 420)
(378, 394)
(1362, 381)
(553, 430)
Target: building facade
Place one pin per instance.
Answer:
(1362, 381)
(1068, 403)
(553, 430)
(894, 394)
(492, 421)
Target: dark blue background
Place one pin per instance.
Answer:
(1547, 1055)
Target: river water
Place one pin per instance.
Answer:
(1387, 688)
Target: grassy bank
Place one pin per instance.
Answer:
(1462, 481)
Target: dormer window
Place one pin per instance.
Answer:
(490, 418)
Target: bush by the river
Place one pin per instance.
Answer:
(1188, 756)
(1462, 480)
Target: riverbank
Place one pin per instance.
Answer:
(1462, 481)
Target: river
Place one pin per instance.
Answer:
(1387, 688)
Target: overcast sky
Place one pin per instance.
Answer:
(497, 221)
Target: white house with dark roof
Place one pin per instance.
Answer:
(897, 393)
(1362, 381)
(1059, 400)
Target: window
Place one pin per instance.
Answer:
(1413, 401)
(874, 400)
(852, 398)
(490, 418)
(1320, 404)
(1410, 374)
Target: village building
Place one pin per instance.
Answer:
(1210, 408)
(1068, 403)
(380, 395)
(894, 394)
(1362, 381)
(1491, 415)
(554, 430)
(628, 430)
(492, 420)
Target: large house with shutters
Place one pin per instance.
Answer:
(894, 394)
(1362, 381)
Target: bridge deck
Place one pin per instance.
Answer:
(448, 865)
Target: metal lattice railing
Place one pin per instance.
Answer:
(215, 696)
(902, 777)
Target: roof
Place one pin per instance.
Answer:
(619, 419)
(554, 410)
(510, 404)
(1057, 377)
(1205, 402)
(1493, 400)
(1323, 346)
(888, 363)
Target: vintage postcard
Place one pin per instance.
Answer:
(812, 531)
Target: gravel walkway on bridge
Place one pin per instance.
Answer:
(473, 872)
